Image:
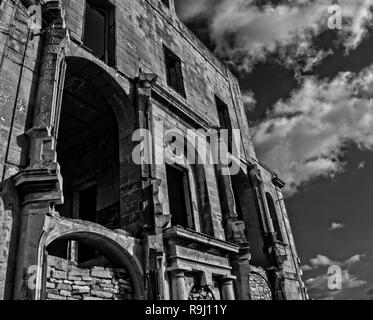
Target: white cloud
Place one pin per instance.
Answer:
(192, 8)
(248, 100)
(302, 138)
(306, 267)
(351, 277)
(319, 261)
(318, 287)
(323, 261)
(361, 165)
(247, 33)
(354, 259)
(336, 225)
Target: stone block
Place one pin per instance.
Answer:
(59, 274)
(51, 285)
(51, 296)
(65, 293)
(102, 294)
(92, 298)
(82, 288)
(64, 286)
(79, 272)
(58, 263)
(104, 274)
(111, 290)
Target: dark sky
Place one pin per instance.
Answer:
(331, 214)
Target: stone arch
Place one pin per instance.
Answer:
(118, 247)
(115, 88)
(92, 98)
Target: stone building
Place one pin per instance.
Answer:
(79, 218)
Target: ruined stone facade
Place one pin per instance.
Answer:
(82, 220)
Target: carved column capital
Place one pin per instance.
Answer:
(147, 80)
(255, 174)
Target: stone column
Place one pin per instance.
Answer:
(227, 289)
(40, 185)
(241, 269)
(234, 229)
(257, 181)
(6, 222)
(178, 285)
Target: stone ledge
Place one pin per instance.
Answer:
(199, 238)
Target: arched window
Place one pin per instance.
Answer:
(274, 217)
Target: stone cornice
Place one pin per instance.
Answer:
(198, 238)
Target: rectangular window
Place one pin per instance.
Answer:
(99, 30)
(224, 120)
(174, 72)
(179, 197)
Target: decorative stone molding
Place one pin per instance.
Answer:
(278, 182)
(255, 174)
(42, 184)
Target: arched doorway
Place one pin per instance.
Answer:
(94, 118)
(103, 278)
(115, 275)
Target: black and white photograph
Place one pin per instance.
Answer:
(205, 151)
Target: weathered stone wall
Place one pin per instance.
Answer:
(205, 197)
(5, 237)
(291, 267)
(143, 27)
(18, 77)
(258, 284)
(68, 282)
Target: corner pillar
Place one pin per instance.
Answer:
(6, 224)
(241, 269)
(227, 289)
(178, 285)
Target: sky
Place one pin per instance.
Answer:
(308, 94)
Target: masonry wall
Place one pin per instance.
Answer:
(205, 199)
(18, 79)
(6, 222)
(142, 28)
(68, 282)
(258, 284)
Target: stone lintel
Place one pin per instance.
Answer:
(177, 233)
